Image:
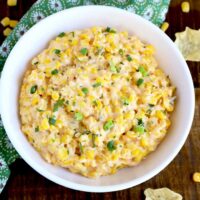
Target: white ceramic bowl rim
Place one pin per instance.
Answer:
(82, 187)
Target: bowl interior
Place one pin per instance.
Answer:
(169, 60)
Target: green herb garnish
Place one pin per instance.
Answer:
(121, 52)
(96, 84)
(109, 30)
(78, 116)
(85, 90)
(151, 105)
(39, 110)
(58, 104)
(125, 102)
(61, 34)
(129, 58)
(111, 145)
(108, 125)
(84, 51)
(81, 147)
(142, 71)
(93, 140)
(140, 81)
(52, 120)
(33, 89)
(113, 67)
(140, 129)
(37, 129)
(54, 72)
(57, 51)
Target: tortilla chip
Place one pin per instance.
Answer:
(161, 194)
(188, 43)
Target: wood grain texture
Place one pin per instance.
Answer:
(26, 184)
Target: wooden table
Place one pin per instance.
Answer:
(25, 183)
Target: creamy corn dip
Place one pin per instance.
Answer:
(95, 101)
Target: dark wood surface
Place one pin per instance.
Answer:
(25, 183)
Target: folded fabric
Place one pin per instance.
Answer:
(153, 10)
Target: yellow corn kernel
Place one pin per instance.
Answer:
(59, 123)
(144, 142)
(11, 2)
(55, 95)
(135, 152)
(196, 177)
(62, 153)
(124, 33)
(35, 100)
(5, 21)
(185, 6)
(168, 106)
(90, 154)
(165, 26)
(74, 42)
(120, 120)
(44, 124)
(160, 115)
(13, 23)
(99, 105)
(7, 31)
(149, 49)
(113, 170)
(131, 134)
(94, 70)
(128, 115)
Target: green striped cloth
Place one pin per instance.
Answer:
(153, 10)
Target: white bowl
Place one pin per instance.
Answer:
(169, 59)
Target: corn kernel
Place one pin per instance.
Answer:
(185, 6)
(144, 142)
(55, 95)
(13, 23)
(45, 124)
(196, 177)
(11, 2)
(5, 21)
(7, 31)
(35, 101)
(62, 153)
(90, 154)
(165, 26)
(160, 115)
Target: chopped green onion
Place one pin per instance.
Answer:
(139, 128)
(140, 81)
(151, 105)
(94, 103)
(84, 51)
(37, 129)
(58, 104)
(111, 145)
(140, 122)
(33, 89)
(113, 67)
(109, 30)
(52, 120)
(57, 51)
(85, 90)
(67, 102)
(39, 110)
(87, 132)
(54, 72)
(93, 140)
(81, 147)
(125, 102)
(96, 84)
(78, 116)
(36, 63)
(108, 125)
(121, 52)
(142, 71)
(61, 34)
(129, 58)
